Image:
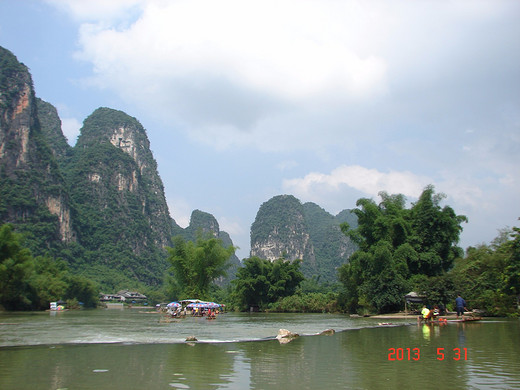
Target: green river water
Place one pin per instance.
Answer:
(132, 349)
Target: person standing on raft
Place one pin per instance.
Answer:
(460, 306)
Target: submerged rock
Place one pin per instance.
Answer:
(328, 332)
(191, 338)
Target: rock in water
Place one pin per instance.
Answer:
(285, 336)
(328, 332)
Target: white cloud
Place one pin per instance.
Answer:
(367, 181)
(234, 73)
(234, 57)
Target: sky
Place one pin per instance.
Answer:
(330, 101)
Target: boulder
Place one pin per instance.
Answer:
(285, 336)
(191, 338)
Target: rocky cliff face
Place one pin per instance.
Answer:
(279, 230)
(33, 192)
(285, 228)
(123, 217)
(118, 133)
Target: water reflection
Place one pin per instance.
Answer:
(117, 366)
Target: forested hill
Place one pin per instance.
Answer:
(122, 216)
(99, 205)
(284, 227)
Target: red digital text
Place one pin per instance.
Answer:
(411, 354)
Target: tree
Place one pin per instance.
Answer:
(374, 279)
(395, 244)
(284, 277)
(511, 277)
(489, 276)
(16, 267)
(48, 282)
(195, 265)
(261, 281)
(31, 283)
(436, 232)
(81, 289)
(252, 283)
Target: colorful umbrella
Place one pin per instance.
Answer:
(199, 305)
(173, 304)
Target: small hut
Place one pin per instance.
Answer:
(412, 298)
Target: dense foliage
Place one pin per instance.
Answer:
(10, 71)
(261, 282)
(29, 174)
(111, 225)
(397, 245)
(50, 124)
(27, 282)
(489, 276)
(121, 217)
(19, 206)
(317, 302)
(195, 265)
(331, 248)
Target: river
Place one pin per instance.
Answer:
(133, 349)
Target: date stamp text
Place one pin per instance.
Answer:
(397, 354)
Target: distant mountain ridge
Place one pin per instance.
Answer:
(284, 227)
(99, 205)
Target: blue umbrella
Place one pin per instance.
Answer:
(173, 304)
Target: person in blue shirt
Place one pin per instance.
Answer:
(460, 306)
